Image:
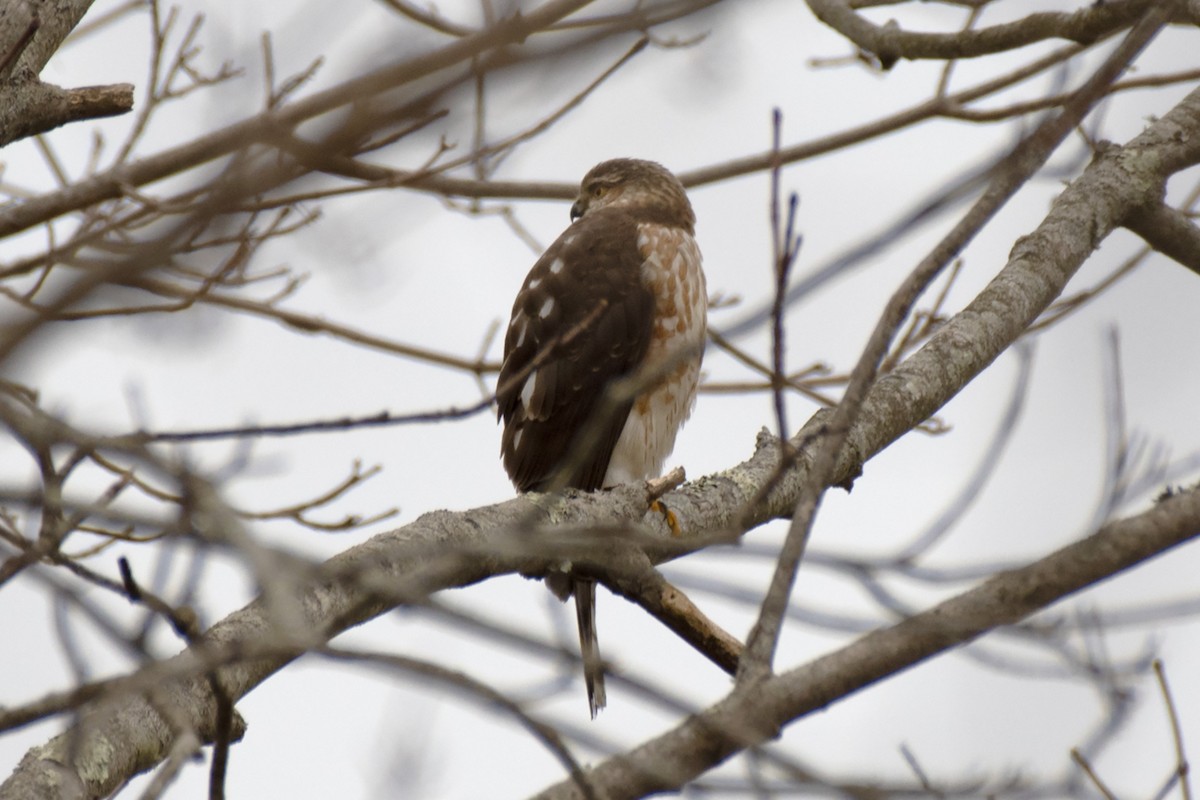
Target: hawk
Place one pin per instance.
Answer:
(619, 294)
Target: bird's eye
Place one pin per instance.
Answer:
(598, 190)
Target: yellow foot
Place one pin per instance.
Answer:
(669, 516)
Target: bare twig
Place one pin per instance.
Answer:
(1008, 177)
(1081, 760)
(890, 43)
(1182, 772)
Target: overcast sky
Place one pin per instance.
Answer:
(382, 262)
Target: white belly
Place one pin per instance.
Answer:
(672, 270)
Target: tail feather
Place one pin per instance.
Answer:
(589, 645)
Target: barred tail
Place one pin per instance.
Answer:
(589, 645)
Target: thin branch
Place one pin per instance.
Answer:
(1010, 175)
(1182, 771)
(429, 19)
(105, 186)
(542, 732)
(1086, 766)
(890, 43)
(308, 323)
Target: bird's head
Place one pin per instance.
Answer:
(631, 183)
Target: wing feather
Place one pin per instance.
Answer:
(596, 330)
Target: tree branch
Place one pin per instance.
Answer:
(30, 33)
(55, 20)
(1007, 178)
(19, 216)
(890, 43)
(1120, 181)
(1170, 232)
(28, 108)
(126, 733)
(757, 713)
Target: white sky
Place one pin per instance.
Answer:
(382, 262)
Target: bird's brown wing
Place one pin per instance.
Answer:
(582, 320)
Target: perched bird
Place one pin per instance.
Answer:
(619, 294)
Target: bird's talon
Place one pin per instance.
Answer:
(669, 516)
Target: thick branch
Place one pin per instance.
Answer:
(1115, 185)
(30, 33)
(1008, 177)
(1170, 232)
(890, 43)
(126, 735)
(55, 20)
(28, 108)
(677, 612)
(18, 26)
(757, 714)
